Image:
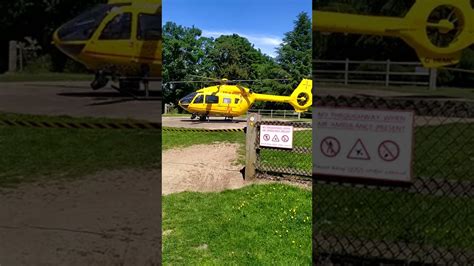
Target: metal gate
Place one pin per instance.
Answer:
(268, 161)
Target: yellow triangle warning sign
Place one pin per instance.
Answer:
(358, 151)
(275, 139)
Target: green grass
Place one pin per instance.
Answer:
(264, 224)
(464, 93)
(445, 152)
(32, 154)
(27, 77)
(445, 222)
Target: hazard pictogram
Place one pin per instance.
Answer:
(275, 139)
(358, 151)
(330, 146)
(389, 151)
(266, 137)
(285, 138)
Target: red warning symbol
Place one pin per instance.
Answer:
(358, 151)
(266, 137)
(389, 151)
(330, 146)
(285, 138)
(275, 139)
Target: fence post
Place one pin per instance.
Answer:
(346, 72)
(433, 77)
(387, 74)
(250, 146)
(12, 57)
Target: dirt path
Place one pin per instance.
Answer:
(202, 168)
(109, 218)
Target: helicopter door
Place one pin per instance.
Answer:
(112, 43)
(149, 42)
(227, 103)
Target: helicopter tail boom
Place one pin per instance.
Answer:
(301, 99)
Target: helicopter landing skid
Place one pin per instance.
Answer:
(125, 92)
(146, 82)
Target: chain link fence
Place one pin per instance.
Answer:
(292, 162)
(429, 222)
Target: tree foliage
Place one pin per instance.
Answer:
(294, 54)
(189, 56)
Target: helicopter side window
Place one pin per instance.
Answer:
(237, 101)
(149, 27)
(119, 28)
(199, 99)
(211, 99)
(227, 100)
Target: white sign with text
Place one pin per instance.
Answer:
(373, 144)
(276, 136)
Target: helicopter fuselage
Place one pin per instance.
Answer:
(118, 40)
(224, 101)
(233, 101)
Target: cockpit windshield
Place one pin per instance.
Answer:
(83, 27)
(187, 99)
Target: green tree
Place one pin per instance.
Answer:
(234, 57)
(294, 54)
(184, 57)
(37, 19)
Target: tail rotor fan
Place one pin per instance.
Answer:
(445, 24)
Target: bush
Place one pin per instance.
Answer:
(40, 64)
(72, 66)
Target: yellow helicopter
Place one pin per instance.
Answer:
(229, 101)
(438, 30)
(120, 40)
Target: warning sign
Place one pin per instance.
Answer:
(330, 147)
(361, 143)
(266, 137)
(358, 151)
(276, 136)
(389, 151)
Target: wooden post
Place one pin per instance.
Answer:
(387, 74)
(433, 77)
(250, 146)
(346, 72)
(12, 57)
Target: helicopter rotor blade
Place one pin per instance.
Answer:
(204, 77)
(254, 80)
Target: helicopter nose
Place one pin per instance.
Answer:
(71, 49)
(180, 103)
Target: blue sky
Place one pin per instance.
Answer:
(262, 22)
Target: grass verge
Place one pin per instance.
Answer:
(260, 224)
(34, 154)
